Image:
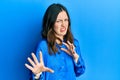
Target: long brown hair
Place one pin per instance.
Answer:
(48, 25)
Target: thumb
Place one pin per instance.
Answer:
(49, 70)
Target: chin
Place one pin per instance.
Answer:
(63, 34)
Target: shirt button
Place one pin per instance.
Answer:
(61, 68)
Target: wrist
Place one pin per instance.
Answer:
(75, 56)
(37, 76)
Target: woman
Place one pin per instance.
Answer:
(58, 55)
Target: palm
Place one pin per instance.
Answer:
(70, 50)
(37, 67)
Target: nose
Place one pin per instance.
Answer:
(63, 23)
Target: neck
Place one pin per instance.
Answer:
(58, 40)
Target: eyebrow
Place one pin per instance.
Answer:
(61, 19)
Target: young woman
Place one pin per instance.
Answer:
(58, 55)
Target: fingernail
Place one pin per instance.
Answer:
(32, 53)
(52, 71)
(28, 58)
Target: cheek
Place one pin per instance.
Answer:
(56, 28)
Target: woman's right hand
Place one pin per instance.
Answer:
(37, 67)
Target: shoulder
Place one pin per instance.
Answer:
(76, 42)
(42, 44)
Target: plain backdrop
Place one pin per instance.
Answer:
(95, 23)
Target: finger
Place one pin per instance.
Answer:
(35, 58)
(29, 67)
(73, 46)
(31, 62)
(41, 59)
(49, 70)
(65, 50)
(69, 43)
(66, 45)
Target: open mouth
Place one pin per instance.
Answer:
(62, 29)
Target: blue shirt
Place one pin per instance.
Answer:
(64, 66)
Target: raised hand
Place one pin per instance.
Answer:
(37, 67)
(70, 50)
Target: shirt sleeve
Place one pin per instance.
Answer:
(40, 78)
(79, 67)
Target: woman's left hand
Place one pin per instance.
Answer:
(70, 50)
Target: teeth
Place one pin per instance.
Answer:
(63, 29)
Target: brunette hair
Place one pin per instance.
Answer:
(48, 25)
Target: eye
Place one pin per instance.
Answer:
(66, 20)
(58, 21)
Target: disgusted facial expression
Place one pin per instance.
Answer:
(61, 25)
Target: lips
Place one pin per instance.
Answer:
(62, 29)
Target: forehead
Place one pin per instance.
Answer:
(62, 15)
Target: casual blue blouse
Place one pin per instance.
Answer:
(64, 66)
